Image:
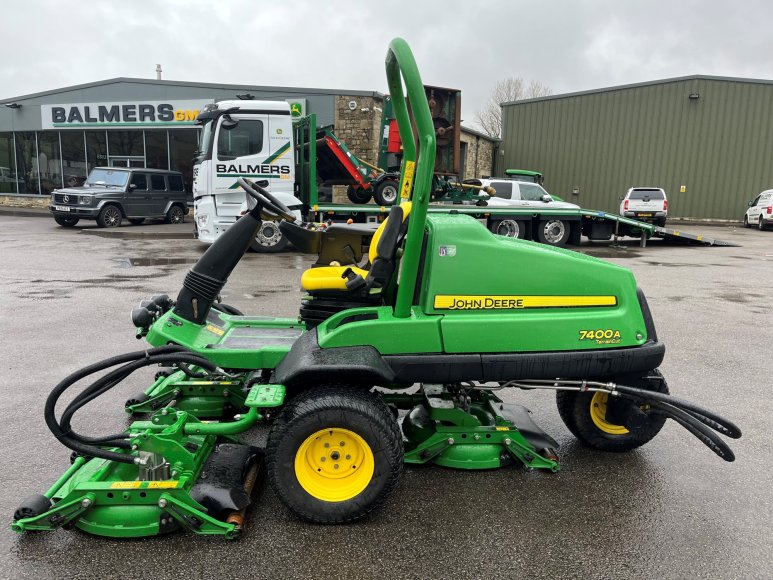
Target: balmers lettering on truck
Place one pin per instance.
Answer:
(143, 113)
(224, 170)
(518, 302)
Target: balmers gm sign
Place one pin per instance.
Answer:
(133, 114)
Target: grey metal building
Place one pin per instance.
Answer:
(53, 139)
(708, 141)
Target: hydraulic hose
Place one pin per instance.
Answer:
(89, 446)
(713, 420)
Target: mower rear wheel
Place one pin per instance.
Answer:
(584, 414)
(358, 195)
(385, 193)
(334, 454)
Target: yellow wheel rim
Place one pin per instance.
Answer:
(598, 413)
(334, 464)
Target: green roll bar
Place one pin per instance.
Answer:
(418, 164)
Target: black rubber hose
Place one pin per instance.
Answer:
(689, 422)
(190, 372)
(713, 420)
(104, 384)
(159, 354)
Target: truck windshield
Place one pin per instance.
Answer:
(205, 140)
(107, 177)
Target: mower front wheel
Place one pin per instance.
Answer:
(585, 415)
(334, 454)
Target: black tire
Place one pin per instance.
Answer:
(761, 225)
(386, 193)
(554, 232)
(66, 221)
(509, 228)
(175, 215)
(110, 217)
(576, 411)
(337, 410)
(746, 223)
(358, 195)
(136, 221)
(269, 239)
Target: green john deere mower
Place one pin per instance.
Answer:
(394, 359)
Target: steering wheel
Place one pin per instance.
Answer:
(270, 207)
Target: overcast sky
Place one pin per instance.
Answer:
(470, 45)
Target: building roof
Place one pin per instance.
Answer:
(643, 84)
(479, 134)
(263, 89)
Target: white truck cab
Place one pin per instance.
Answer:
(250, 139)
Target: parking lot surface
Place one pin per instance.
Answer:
(671, 509)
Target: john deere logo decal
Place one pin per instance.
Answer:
(518, 302)
(296, 110)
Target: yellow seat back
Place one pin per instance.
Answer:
(373, 250)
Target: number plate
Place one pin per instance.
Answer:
(62, 208)
(645, 215)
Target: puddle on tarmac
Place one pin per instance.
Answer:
(156, 261)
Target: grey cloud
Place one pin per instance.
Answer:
(468, 45)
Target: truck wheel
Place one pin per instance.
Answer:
(175, 215)
(584, 414)
(509, 228)
(334, 454)
(385, 192)
(269, 239)
(358, 195)
(553, 232)
(109, 217)
(65, 221)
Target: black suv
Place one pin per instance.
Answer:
(113, 193)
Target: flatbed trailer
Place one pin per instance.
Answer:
(592, 224)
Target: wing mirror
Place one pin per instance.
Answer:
(750, 203)
(228, 123)
(132, 187)
(546, 198)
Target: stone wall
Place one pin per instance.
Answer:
(40, 201)
(480, 155)
(358, 128)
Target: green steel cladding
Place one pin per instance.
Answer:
(719, 145)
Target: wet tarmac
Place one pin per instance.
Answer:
(669, 510)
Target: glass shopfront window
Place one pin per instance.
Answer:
(73, 158)
(156, 150)
(27, 162)
(183, 143)
(96, 149)
(8, 181)
(49, 161)
(125, 144)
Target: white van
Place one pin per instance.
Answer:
(646, 204)
(760, 212)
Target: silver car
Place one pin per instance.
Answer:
(521, 194)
